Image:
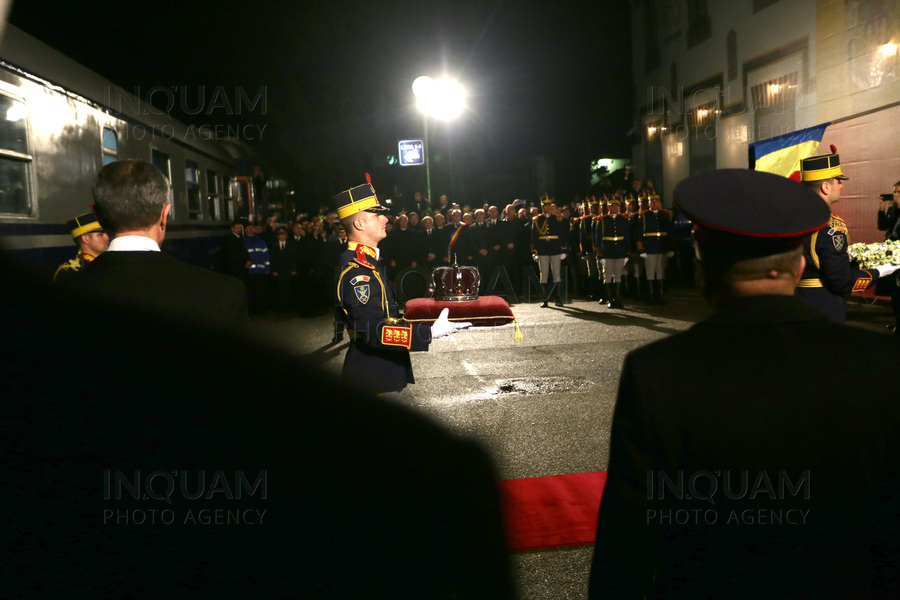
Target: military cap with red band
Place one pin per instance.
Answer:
(742, 214)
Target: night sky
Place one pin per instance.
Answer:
(551, 78)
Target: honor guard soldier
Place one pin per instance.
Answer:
(599, 208)
(615, 243)
(653, 243)
(828, 276)
(91, 240)
(548, 244)
(380, 340)
(586, 242)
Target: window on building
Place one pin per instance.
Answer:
(192, 184)
(161, 160)
(213, 198)
(731, 51)
(699, 24)
(774, 104)
(15, 159)
(701, 122)
(110, 146)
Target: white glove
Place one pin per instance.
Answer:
(643, 255)
(670, 254)
(443, 326)
(562, 256)
(626, 261)
(885, 270)
(535, 257)
(603, 262)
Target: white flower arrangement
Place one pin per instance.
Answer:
(869, 256)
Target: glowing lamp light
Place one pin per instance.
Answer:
(888, 50)
(444, 99)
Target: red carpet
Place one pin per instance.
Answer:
(545, 512)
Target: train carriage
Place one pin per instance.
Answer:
(60, 123)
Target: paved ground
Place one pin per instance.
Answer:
(542, 406)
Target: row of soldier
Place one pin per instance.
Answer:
(607, 246)
(594, 241)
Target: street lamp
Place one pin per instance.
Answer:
(444, 99)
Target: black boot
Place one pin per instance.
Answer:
(602, 291)
(556, 290)
(616, 295)
(610, 296)
(546, 294)
(651, 292)
(659, 292)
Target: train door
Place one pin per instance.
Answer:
(242, 196)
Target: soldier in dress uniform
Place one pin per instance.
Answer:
(615, 243)
(548, 243)
(378, 356)
(653, 243)
(633, 212)
(598, 208)
(588, 256)
(91, 240)
(828, 276)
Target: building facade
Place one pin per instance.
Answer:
(713, 76)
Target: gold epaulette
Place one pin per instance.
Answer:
(837, 223)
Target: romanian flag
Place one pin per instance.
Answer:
(781, 155)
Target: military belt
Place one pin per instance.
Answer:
(810, 283)
(615, 239)
(656, 234)
(548, 237)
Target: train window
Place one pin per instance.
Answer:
(110, 146)
(214, 209)
(15, 160)
(161, 161)
(226, 190)
(192, 179)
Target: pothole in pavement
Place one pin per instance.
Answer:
(539, 385)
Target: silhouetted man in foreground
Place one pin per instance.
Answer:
(756, 454)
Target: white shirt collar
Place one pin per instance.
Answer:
(130, 243)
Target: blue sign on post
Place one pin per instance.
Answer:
(412, 153)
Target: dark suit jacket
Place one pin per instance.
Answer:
(235, 256)
(350, 511)
(770, 391)
(284, 261)
(156, 281)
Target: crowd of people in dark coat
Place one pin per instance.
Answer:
(290, 266)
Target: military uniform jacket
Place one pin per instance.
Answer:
(585, 233)
(549, 234)
(827, 276)
(70, 267)
(597, 231)
(615, 238)
(727, 418)
(378, 357)
(654, 229)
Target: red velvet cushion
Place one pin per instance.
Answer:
(487, 311)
